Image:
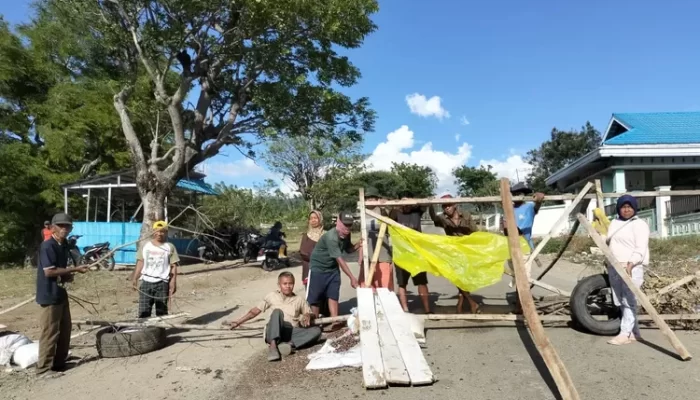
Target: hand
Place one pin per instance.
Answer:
(354, 283)
(173, 288)
(539, 197)
(135, 285)
(305, 320)
(233, 325)
(81, 269)
(628, 268)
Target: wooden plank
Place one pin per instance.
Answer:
(375, 255)
(497, 199)
(641, 297)
(394, 368)
(16, 306)
(546, 286)
(363, 233)
(599, 195)
(675, 285)
(373, 374)
(556, 367)
(562, 218)
(413, 358)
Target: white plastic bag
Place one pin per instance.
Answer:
(27, 355)
(353, 323)
(327, 358)
(8, 345)
(417, 327)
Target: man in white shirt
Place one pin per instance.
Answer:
(156, 268)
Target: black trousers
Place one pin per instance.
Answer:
(281, 331)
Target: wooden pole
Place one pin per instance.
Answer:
(599, 195)
(562, 218)
(363, 227)
(675, 285)
(620, 269)
(16, 306)
(375, 255)
(556, 367)
(497, 199)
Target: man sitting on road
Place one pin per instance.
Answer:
(325, 264)
(455, 224)
(289, 326)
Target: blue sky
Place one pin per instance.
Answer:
(512, 69)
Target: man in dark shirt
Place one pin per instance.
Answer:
(410, 217)
(54, 320)
(455, 224)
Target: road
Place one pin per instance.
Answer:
(500, 362)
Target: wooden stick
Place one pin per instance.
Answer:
(375, 255)
(562, 218)
(512, 317)
(363, 227)
(546, 286)
(16, 306)
(620, 269)
(497, 199)
(675, 285)
(556, 367)
(136, 321)
(599, 195)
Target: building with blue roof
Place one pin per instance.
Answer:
(113, 209)
(644, 152)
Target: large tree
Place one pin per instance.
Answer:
(226, 72)
(477, 182)
(562, 148)
(418, 181)
(305, 160)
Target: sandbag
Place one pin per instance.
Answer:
(27, 355)
(9, 344)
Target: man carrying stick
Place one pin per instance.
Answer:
(455, 224)
(156, 268)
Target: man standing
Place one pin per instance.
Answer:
(55, 320)
(46, 232)
(383, 275)
(156, 268)
(289, 326)
(455, 224)
(410, 217)
(325, 264)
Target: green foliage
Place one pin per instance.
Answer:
(305, 161)
(563, 148)
(477, 182)
(417, 181)
(250, 208)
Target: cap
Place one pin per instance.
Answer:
(346, 218)
(61, 219)
(446, 195)
(158, 225)
(521, 188)
(373, 192)
(47, 222)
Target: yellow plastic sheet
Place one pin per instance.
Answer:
(601, 222)
(469, 262)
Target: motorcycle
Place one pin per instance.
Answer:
(249, 245)
(273, 255)
(91, 254)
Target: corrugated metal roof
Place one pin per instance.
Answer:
(657, 128)
(196, 185)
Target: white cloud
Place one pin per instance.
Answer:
(399, 147)
(513, 167)
(425, 107)
(457, 137)
(464, 120)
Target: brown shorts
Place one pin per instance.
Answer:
(402, 277)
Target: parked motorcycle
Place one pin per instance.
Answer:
(90, 254)
(273, 255)
(249, 244)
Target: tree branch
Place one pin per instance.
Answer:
(128, 128)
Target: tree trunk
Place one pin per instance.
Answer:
(153, 209)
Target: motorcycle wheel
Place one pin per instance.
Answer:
(246, 257)
(75, 258)
(108, 263)
(269, 265)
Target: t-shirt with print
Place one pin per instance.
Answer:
(157, 259)
(51, 255)
(327, 250)
(525, 219)
(293, 307)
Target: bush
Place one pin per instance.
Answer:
(678, 247)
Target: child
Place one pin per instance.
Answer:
(156, 267)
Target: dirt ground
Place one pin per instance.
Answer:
(471, 361)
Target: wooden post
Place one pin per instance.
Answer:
(363, 233)
(109, 204)
(556, 367)
(87, 207)
(599, 195)
(562, 218)
(375, 255)
(641, 297)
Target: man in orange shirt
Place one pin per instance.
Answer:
(46, 232)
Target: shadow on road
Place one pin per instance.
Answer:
(536, 358)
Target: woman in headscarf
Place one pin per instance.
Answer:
(308, 242)
(628, 238)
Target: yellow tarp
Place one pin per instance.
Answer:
(469, 262)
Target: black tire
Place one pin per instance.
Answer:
(246, 257)
(269, 265)
(108, 263)
(114, 344)
(75, 258)
(588, 289)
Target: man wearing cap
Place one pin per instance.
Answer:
(325, 264)
(54, 320)
(46, 232)
(156, 268)
(455, 224)
(383, 274)
(410, 216)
